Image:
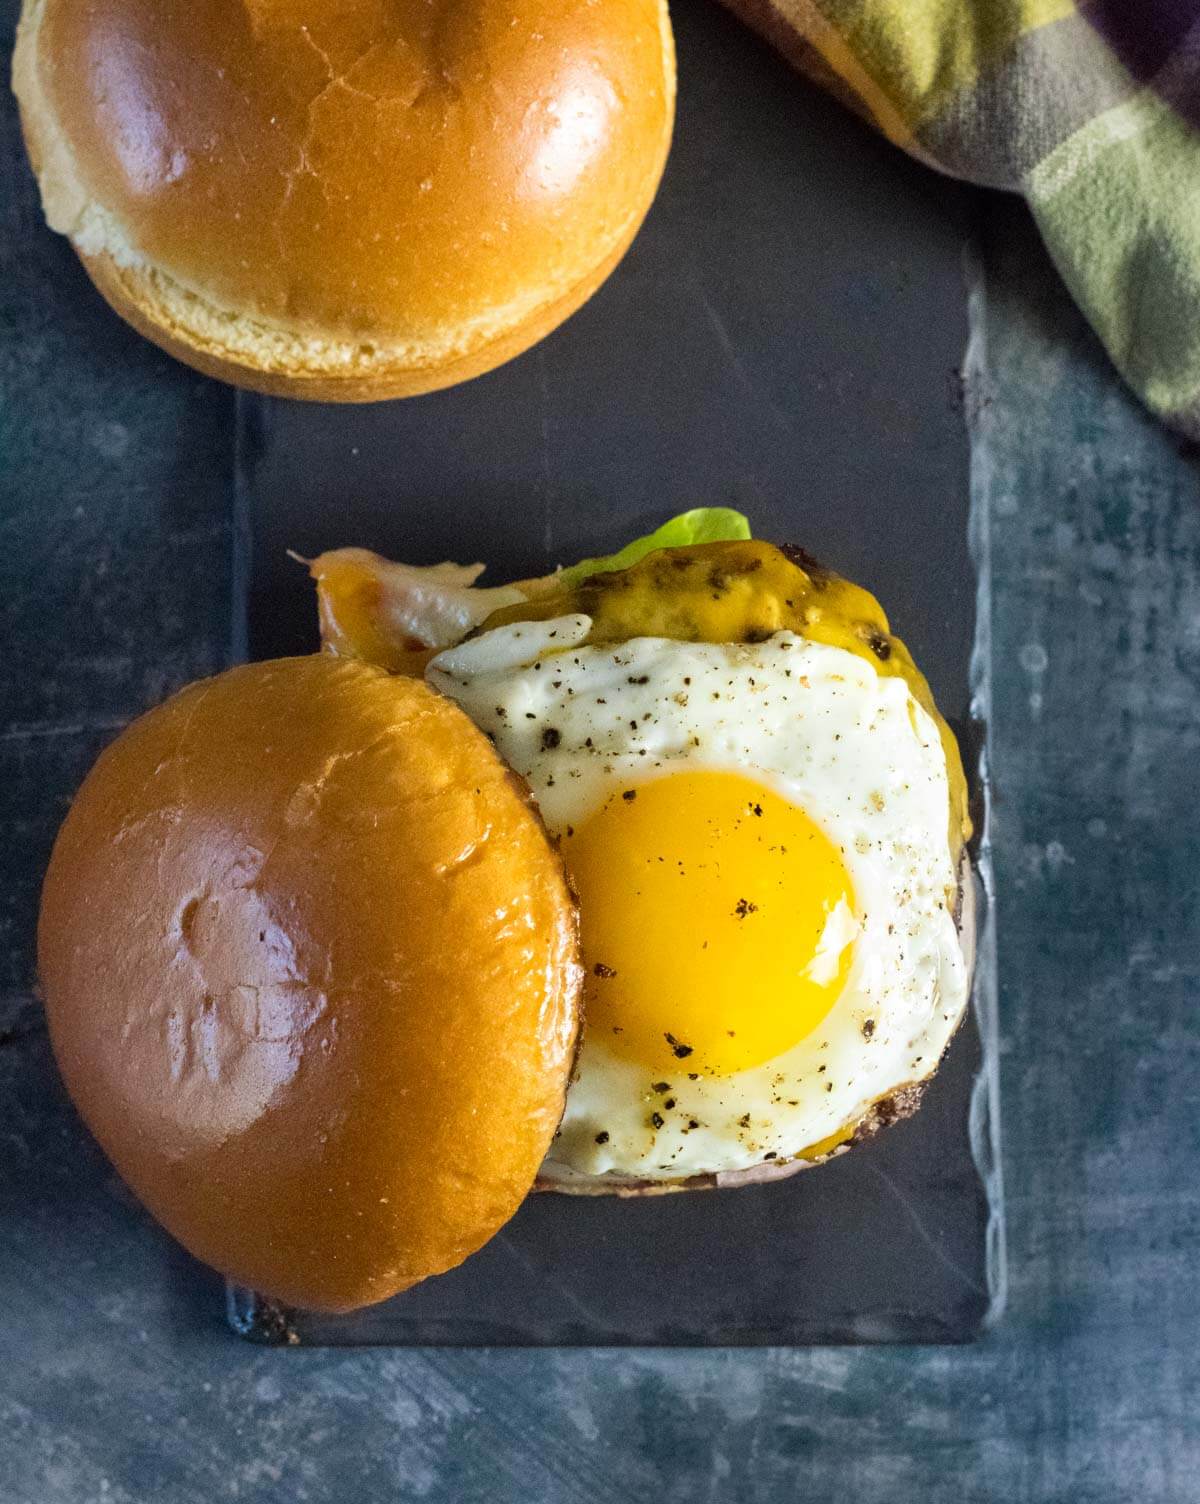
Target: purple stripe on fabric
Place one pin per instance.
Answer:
(1149, 35)
(1143, 33)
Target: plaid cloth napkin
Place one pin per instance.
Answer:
(1090, 108)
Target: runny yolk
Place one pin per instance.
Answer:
(718, 922)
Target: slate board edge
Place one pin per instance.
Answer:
(985, 1098)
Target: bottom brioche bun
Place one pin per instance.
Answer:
(310, 968)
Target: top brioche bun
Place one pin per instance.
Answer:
(346, 202)
(310, 968)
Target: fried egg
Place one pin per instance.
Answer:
(757, 832)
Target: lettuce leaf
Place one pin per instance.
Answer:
(701, 525)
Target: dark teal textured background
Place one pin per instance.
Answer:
(118, 1381)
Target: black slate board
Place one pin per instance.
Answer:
(785, 336)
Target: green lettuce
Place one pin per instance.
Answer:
(701, 525)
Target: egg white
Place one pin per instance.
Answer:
(821, 728)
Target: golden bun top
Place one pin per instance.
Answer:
(310, 969)
(355, 200)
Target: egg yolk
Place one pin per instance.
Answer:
(717, 922)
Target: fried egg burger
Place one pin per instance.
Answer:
(763, 817)
(644, 876)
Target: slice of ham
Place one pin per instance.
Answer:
(375, 609)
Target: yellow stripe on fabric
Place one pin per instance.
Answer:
(841, 57)
(1118, 207)
(916, 54)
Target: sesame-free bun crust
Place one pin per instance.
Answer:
(346, 202)
(310, 969)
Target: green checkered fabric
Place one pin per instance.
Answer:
(1091, 110)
